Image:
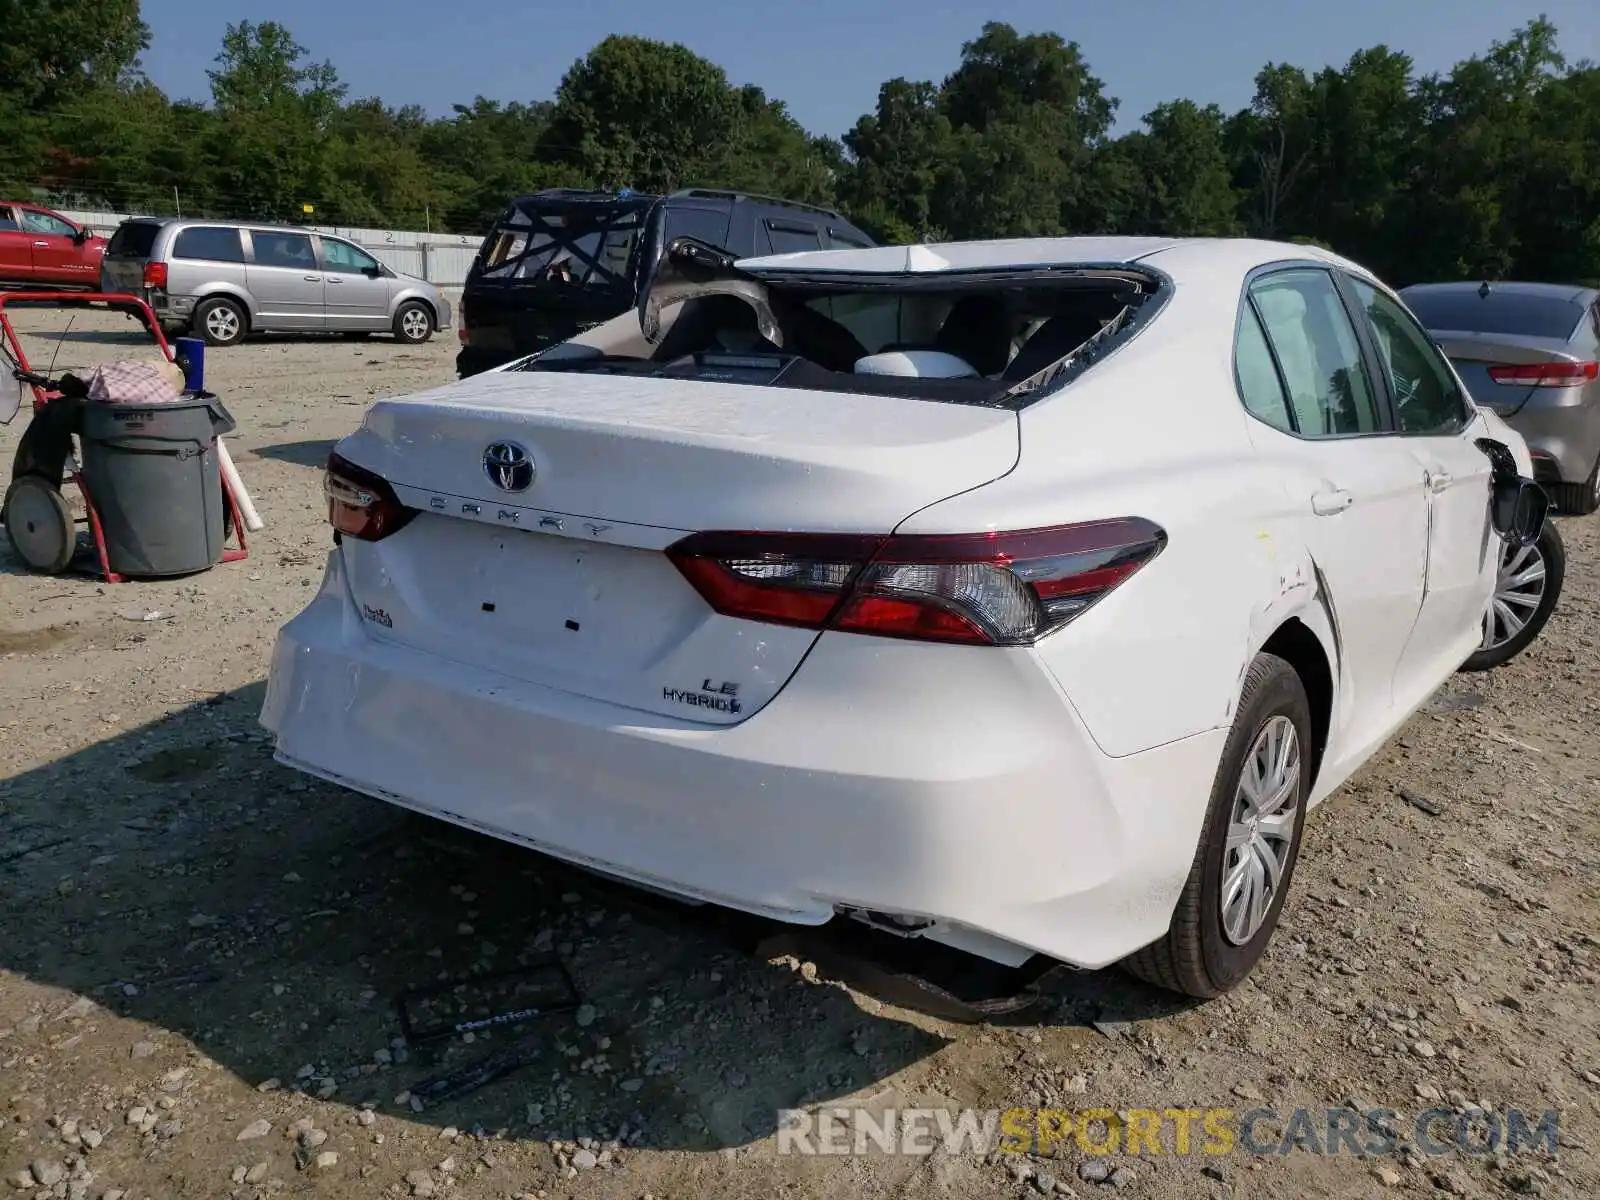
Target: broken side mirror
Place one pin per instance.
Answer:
(1517, 505)
(1519, 509)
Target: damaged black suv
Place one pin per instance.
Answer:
(562, 260)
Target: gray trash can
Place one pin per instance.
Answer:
(153, 475)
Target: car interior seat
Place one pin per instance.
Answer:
(977, 329)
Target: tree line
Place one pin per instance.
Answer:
(1491, 170)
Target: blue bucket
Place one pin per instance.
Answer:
(190, 353)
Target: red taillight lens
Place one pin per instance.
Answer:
(998, 589)
(361, 504)
(155, 274)
(1552, 374)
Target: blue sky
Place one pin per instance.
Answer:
(826, 58)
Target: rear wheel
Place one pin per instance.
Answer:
(1240, 876)
(1579, 499)
(413, 323)
(220, 321)
(39, 523)
(1526, 589)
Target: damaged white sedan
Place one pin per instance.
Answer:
(1021, 595)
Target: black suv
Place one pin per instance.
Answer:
(562, 260)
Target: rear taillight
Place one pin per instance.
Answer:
(995, 589)
(155, 275)
(361, 504)
(1550, 374)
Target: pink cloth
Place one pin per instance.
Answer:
(132, 382)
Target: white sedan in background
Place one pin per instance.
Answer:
(1021, 595)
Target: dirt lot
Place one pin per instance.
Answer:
(197, 946)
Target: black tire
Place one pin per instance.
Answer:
(407, 328)
(1578, 499)
(1554, 552)
(1196, 958)
(227, 327)
(39, 525)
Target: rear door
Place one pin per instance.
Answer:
(1433, 419)
(16, 249)
(285, 280)
(1357, 491)
(355, 289)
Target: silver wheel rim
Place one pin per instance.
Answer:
(1266, 801)
(34, 523)
(414, 322)
(222, 323)
(1518, 589)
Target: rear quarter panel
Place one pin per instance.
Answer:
(1157, 431)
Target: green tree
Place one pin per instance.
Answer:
(1172, 177)
(271, 147)
(642, 114)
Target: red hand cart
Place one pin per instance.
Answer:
(37, 516)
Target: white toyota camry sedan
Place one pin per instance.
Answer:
(1021, 595)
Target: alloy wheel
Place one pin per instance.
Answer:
(1518, 588)
(222, 323)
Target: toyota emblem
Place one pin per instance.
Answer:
(508, 466)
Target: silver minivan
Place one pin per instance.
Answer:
(225, 279)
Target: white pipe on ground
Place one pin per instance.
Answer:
(247, 510)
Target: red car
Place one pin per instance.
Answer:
(40, 248)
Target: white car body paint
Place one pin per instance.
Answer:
(1044, 798)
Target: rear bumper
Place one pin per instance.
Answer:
(1562, 426)
(942, 782)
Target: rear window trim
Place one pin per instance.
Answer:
(1014, 397)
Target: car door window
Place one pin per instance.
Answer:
(344, 258)
(788, 239)
(7, 220)
(1260, 386)
(1330, 393)
(35, 221)
(213, 243)
(282, 250)
(1426, 397)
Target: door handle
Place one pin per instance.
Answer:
(333, 279)
(1326, 504)
(312, 278)
(1438, 481)
(42, 245)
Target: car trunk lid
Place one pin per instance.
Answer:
(1474, 354)
(563, 583)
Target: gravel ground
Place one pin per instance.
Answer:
(199, 950)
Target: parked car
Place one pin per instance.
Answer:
(562, 260)
(227, 279)
(1021, 595)
(1530, 352)
(41, 248)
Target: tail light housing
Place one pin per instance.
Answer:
(989, 589)
(361, 504)
(155, 275)
(1549, 374)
